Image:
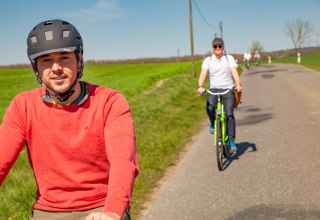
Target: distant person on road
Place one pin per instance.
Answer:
(80, 137)
(222, 74)
(247, 58)
(256, 57)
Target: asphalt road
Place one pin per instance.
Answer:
(276, 172)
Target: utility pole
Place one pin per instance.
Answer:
(220, 24)
(191, 38)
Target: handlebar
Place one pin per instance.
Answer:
(218, 93)
(215, 93)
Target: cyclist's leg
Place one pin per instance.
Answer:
(45, 215)
(211, 109)
(77, 215)
(228, 103)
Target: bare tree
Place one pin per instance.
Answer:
(256, 46)
(298, 31)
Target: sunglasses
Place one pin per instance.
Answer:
(217, 46)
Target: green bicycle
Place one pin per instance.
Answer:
(220, 135)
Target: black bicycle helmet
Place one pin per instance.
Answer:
(54, 36)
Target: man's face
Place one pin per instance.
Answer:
(58, 70)
(218, 49)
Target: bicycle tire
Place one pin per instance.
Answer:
(219, 144)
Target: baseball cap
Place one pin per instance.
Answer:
(217, 41)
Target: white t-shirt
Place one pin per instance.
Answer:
(220, 75)
(247, 56)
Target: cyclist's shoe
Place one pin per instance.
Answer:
(233, 147)
(211, 129)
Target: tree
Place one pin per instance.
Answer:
(256, 46)
(298, 31)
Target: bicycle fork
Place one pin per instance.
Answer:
(220, 115)
(224, 136)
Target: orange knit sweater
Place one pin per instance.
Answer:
(83, 156)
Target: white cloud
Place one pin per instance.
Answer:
(103, 10)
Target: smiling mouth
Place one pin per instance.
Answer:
(58, 79)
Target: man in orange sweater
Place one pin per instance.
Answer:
(80, 137)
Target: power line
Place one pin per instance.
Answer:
(204, 19)
(200, 45)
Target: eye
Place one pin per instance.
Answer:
(65, 57)
(45, 60)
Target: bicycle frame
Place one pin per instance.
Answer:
(221, 116)
(220, 134)
(247, 64)
(257, 61)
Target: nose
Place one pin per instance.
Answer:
(56, 67)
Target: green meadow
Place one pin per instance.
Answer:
(167, 113)
(309, 60)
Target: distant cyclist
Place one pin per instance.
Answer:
(256, 58)
(247, 59)
(80, 137)
(222, 75)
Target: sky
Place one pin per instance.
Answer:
(129, 29)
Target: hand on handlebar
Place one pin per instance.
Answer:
(238, 88)
(200, 91)
(102, 216)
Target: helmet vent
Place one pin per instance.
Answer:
(65, 34)
(49, 35)
(33, 39)
(47, 23)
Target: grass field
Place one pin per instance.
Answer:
(310, 60)
(166, 111)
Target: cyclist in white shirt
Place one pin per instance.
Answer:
(247, 58)
(223, 75)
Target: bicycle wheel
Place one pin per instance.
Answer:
(219, 144)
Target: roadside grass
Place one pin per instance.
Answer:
(132, 79)
(165, 115)
(177, 114)
(309, 60)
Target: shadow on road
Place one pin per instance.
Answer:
(276, 211)
(254, 116)
(253, 72)
(241, 149)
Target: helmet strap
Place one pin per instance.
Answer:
(62, 97)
